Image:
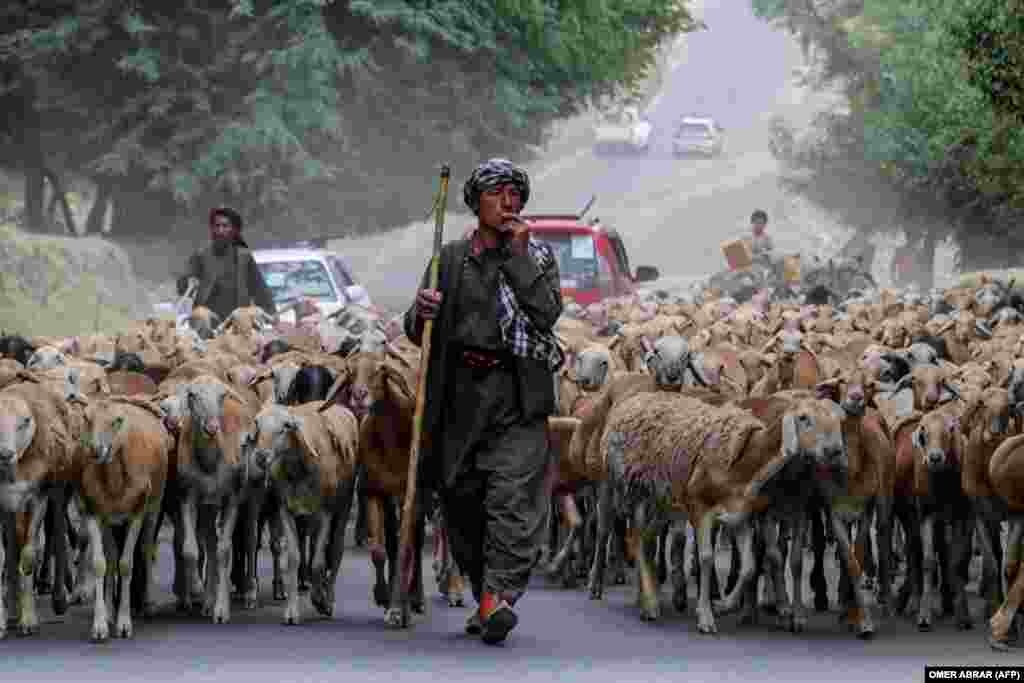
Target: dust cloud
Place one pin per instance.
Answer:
(672, 213)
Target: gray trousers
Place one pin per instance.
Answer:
(497, 510)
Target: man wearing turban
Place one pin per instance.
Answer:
(227, 274)
(490, 390)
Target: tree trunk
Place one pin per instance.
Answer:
(98, 211)
(927, 260)
(32, 157)
(61, 196)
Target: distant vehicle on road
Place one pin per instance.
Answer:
(698, 135)
(592, 260)
(314, 274)
(623, 130)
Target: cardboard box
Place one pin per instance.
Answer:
(737, 254)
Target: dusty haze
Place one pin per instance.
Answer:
(673, 213)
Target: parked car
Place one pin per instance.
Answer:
(698, 136)
(314, 274)
(592, 259)
(625, 130)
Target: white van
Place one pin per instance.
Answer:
(315, 274)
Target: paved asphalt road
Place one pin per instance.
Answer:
(562, 634)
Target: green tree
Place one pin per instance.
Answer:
(307, 113)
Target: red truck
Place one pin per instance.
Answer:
(592, 259)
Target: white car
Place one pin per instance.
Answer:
(696, 135)
(314, 274)
(625, 130)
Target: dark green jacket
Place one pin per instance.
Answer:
(539, 296)
(223, 294)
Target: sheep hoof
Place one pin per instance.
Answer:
(965, 623)
(124, 629)
(279, 593)
(924, 624)
(456, 600)
(998, 645)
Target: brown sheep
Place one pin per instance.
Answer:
(121, 482)
(1006, 472)
(309, 452)
(37, 445)
(128, 383)
(380, 393)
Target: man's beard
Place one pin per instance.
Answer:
(221, 245)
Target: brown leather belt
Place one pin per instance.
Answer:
(484, 360)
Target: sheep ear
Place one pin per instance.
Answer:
(294, 424)
(826, 389)
(332, 394)
(397, 377)
(790, 437)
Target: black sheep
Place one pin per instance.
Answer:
(311, 384)
(819, 295)
(127, 361)
(898, 367)
(16, 347)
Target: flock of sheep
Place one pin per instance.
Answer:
(771, 424)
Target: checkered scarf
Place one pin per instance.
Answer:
(518, 332)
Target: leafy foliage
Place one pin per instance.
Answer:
(934, 91)
(290, 109)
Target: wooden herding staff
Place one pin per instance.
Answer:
(407, 529)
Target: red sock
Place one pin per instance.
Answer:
(488, 603)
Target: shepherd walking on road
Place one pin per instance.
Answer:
(489, 392)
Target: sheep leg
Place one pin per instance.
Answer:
(150, 547)
(44, 572)
(777, 566)
(3, 574)
(59, 532)
(705, 616)
(819, 583)
(292, 616)
(335, 550)
(84, 580)
(1002, 621)
(28, 620)
(943, 582)
(744, 539)
(250, 556)
(318, 564)
(302, 526)
(992, 550)
(124, 574)
(884, 559)
(571, 519)
(858, 615)
(797, 606)
(100, 616)
(189, 551)
(604, 524)
(958, 535)
(909, 599)
(677, 562)
(207, 532)
(647, 587)
(223, 540)
(929, 567)
(277, 551)
(663, 555)
(378, 555)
